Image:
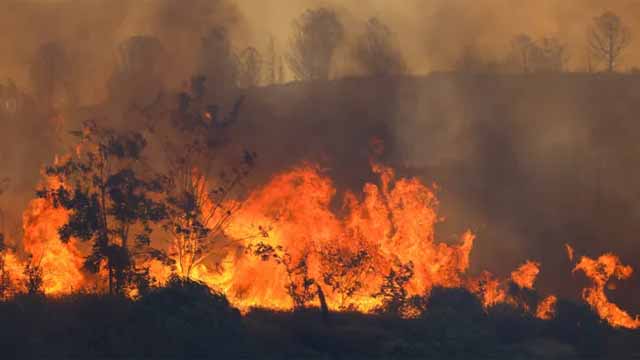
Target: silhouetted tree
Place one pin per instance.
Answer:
(523, 47)
(608, 38)
(218, 63)
(393, 291)
(138, 78)
(375, 51)
(199, 204)
(317, 34)
(199, 193)
(301, 288)
(249, 68)
(109, 204)
(33, 277)
(344, 271)
(51, 77)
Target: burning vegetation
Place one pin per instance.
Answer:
(158, 230)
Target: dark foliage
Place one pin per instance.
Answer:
(186, 319)
(110, 204)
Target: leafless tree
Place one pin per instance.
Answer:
(608, 38)
(199, 212)
(249, 68)
(376, 52)
(317, 34)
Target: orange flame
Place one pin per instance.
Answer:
(547, 308)
(570, 252)
(60, 263)
(394, 222)
(525, 276)
(600, 271)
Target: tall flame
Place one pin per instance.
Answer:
(600, 271)
(60, 263)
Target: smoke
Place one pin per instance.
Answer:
(90, 32)
(434, 33)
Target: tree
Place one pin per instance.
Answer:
(300, 286)
(218, 63)
(608, 38)
(548, 55)
(523, 47)
(109, 204)
(51, 77)
(141, 67)
(317, 34)
(273, 65)
(198, 213)
(197, 192)
(344, 271)
(393, 291)
(375, 51)
(249, 68)
(33, 277)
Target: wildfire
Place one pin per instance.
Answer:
(525, 276)
(600, 271)
(546, 308)
(393, 223)
(59, 263)
(316, 245)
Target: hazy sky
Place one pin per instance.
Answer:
(431, 33)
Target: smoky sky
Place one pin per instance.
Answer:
(431, 33)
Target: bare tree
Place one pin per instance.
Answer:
(522, 47)
(198, 212)
(249, 68)
(375, 51)
(200, 194)
(608, 38)
(316, 36)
